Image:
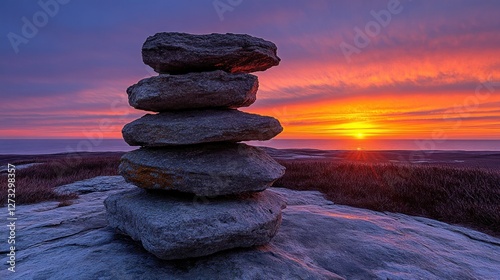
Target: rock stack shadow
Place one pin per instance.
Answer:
(190, 148)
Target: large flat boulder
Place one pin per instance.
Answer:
(316, 240)
(173, 227)
(172, 52)
(205, 170)
(193, 90)
(199, 126)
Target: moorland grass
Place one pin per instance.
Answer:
(36, 183)
(466, 196)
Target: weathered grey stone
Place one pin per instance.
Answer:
(173, 227)
(193, 90)
(172, 52)
(93, 185)
(205, 170)
(316, 240)
(199, 126)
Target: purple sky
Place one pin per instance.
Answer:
(68, 79)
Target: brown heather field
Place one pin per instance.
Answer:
(36, 183)
(465, 196)
(458, 195)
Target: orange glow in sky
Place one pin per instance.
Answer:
(432, 72)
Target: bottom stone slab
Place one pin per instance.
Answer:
(180, 226)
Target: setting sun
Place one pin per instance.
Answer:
(307, 139)
(358, 129)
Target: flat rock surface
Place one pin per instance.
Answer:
(316, 240)
(205, 170)
(172, 52)
(193, 90)
(173, 227)
(199, 126)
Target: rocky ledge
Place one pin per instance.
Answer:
(317, 240)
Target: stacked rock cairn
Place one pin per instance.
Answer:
(190, 150)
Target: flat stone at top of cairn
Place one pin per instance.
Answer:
(178, 53)
(199, 126)
(194, 90)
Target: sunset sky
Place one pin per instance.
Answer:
(348, 70)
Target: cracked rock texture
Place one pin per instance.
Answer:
(317, 240)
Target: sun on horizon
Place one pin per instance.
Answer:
(360, 135)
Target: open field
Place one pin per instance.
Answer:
(35, 182)
(443, 188)
(457, 195)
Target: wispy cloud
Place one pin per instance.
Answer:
(421, 67)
